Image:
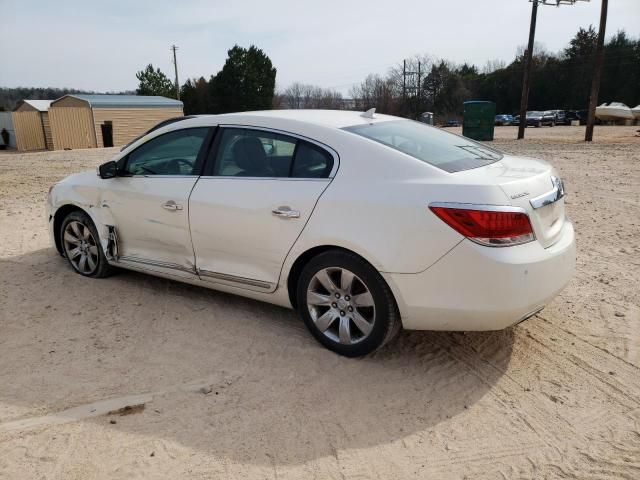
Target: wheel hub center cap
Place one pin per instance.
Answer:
(342, 304)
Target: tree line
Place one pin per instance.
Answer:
(559, 81)
(248, 78)
(246, 82)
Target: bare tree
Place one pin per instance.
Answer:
(493, 65)
(300, 95)
(375, 91)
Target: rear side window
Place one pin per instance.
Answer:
(311, 162)
(244, 152)
(449, 152)
(253, 153)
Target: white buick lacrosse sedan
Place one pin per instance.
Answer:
(364, 223)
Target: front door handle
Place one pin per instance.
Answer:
(286, 212)
(171, 205)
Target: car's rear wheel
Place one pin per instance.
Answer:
(81, 246)
(346, 304)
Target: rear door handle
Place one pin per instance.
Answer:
(171, 205)
(286, 212)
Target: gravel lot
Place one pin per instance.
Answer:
(220, 387)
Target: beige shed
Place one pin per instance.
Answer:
(32, 127)
(89, 121)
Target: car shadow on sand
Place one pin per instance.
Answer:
(232, 377)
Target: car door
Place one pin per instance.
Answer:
(148, 201)
(259, 189)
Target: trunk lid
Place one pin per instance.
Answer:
(533, 185)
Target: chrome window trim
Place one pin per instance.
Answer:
(327, 148)
(236, 279)
(282, 179)
(552, 196)
(481, 207)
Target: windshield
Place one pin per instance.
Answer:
(534, 114)
(449, 152)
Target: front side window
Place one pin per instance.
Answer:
(174, 153)
(449, 152)
(244, 152)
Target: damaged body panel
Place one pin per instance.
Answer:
(134, 225)
(151, 231)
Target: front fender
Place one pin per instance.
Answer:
(82, 191)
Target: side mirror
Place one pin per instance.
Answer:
(108, 170)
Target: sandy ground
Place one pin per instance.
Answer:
(223, 387)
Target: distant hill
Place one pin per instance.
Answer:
(9, 97)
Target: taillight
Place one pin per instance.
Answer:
(487, 225)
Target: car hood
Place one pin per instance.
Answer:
(86, 178)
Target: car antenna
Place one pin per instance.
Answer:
(369, 113)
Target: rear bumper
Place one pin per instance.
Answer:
(482, 288)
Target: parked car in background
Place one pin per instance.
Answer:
(452, 123)
(439, 233)
(504, 120)
(571, 116)
(560, 117)
(584, 115)
(516, 120)
(538, 119)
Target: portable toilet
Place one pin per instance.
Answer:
(479, 120)
(426, 117)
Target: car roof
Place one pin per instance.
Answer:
(313, 123)
(325, 118)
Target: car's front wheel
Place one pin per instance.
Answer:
(346, 304)
(81, 246)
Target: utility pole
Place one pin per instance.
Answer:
(528, 60)
(528, 57)
(419, 92)
(413, 87)
(595, 83)
(404, 84)
(175, 66)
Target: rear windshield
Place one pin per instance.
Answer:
(449, 152)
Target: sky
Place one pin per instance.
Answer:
(100, 46)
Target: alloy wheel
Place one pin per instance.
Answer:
(341, 305)
(80, 247)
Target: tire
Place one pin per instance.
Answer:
(553, 124)
(335, 316)
(79, 237)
